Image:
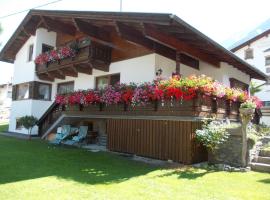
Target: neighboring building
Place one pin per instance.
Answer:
(5, 101)
(255, 49)
(125, 47)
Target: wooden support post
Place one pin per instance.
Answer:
(178, 61)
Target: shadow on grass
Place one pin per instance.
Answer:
(189, 173)
(265, 181)
(24, 160)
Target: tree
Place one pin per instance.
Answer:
(28, 122)
(255, 88)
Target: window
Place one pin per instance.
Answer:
(266, 103)
(268, 70)
(249, 53)
(30, 52)
(238, 84)
(9, 94)
(104, 81)
(18, 124)
(46, 48)
(22, 91)
(44, 91)
(66, 87)
(267, 61)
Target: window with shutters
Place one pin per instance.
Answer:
(104, 81)
(249, 53)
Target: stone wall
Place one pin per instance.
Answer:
(230, 152)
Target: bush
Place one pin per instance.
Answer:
(28, 122)
(212, 134)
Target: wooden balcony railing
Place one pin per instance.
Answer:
(88, 57)
(197, 108)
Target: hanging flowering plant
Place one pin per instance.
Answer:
(91, 97)
(110, 96)
(175, 88)
(55, 55)
(60, 99)
(141, 95)
(219, 89)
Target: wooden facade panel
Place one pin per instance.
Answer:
(160, 139)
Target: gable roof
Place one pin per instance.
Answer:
(256, 34)
(148, 29)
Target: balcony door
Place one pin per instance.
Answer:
(104, 81)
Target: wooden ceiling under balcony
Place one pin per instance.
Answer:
(129, 35)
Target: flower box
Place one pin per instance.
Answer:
(141, 109)
(92, 108)
(113, 108)
(233, 109)
(73, 108)
(221, 107)
(179, 108)
(203, 105)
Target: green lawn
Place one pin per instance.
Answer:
(34, 170)
(3, 127)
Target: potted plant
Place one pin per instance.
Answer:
(28, 122)
(248, 107)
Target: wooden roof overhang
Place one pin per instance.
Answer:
(165, 34)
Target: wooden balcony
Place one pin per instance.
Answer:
(88, 57)
(196, 109)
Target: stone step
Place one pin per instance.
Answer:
(261, 167)
(265, 160)
(264, 153)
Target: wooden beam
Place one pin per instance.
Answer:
(132, 35)
(58, 26)
(56, 74)
(94, 32)
(85, 68)
(45, 77)
(152, 33)
(70, 71)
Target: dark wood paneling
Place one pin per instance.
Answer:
(160, 139)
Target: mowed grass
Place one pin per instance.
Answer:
(35, 170)
(3, 127)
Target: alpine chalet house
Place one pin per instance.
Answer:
(114, 47)
(255, 49)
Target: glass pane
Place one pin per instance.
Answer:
(23, 91)
(44, 92)
(65, 88)
(115, 79)
(102, 82)
(267, 61)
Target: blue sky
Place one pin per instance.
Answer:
(224, 21)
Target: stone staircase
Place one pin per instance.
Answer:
(262, 161)
(102, 140)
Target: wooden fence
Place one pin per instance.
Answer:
(160, 139)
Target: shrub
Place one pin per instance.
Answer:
(212, 134)
(28, 122)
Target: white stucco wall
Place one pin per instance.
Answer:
(222, 74)
(259, 46)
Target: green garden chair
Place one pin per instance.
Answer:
(59, 137)
(78, 138)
